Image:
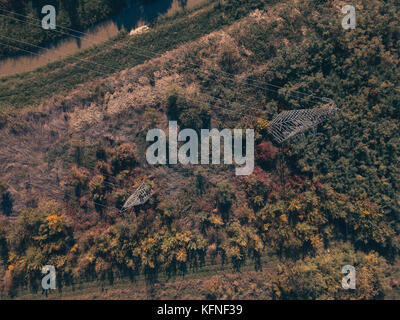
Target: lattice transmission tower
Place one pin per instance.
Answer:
(289, 124)
(141, 195)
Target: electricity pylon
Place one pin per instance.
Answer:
(141, 195)
(289, 124)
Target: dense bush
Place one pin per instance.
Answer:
(189, 114)
(40, 237)
(124, 157)
(6, 202)
(318, 277)
(266, 155)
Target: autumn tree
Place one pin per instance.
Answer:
(40, 237)
(320, 277)
(124, 157)
(6, 202)
(224, 198)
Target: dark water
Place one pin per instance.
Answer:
(134, 15)
(145, 11)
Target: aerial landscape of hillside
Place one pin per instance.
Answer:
(79, 105)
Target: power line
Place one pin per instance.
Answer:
(217, 98)
(214, 107)
(35, 19)
(154, 54)
(184, 96)
(191, 98)
(54, 82)
(76, 58)
(63, 195)
(35, 53)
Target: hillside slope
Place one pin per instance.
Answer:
(69, 163)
